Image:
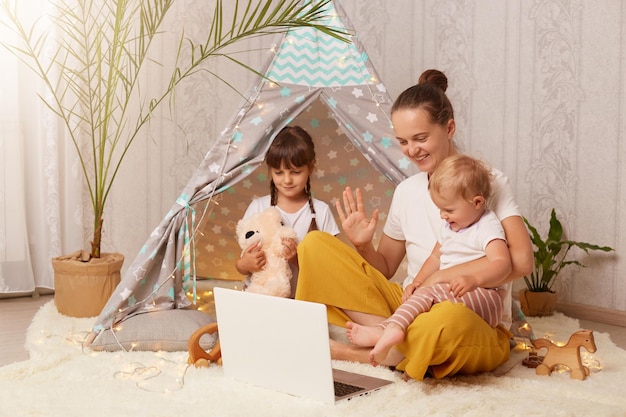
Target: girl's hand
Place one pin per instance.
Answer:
(290, 249)
(358, 228)
(252, 259)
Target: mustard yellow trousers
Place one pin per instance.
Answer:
(449, 339)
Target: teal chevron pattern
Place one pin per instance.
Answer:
(309, 57)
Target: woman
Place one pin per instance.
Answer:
(355, 286)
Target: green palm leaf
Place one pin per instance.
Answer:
(94, 70)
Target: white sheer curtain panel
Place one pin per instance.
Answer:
(40, 184)
(16, 273)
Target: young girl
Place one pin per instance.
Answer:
(290, 160)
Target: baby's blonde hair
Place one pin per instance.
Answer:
(462, 175)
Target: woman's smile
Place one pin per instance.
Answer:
(425, 143)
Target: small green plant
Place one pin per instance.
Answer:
(550, 255)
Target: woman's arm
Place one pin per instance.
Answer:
(388, 257)
(520, 249)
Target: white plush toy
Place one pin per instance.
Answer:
(267, 228)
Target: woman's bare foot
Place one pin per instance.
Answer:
(352, 353)
(344, 352)
(390, 337)
(363, 335)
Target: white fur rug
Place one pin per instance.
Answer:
(62, 380)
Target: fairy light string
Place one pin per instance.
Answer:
(187, 234)
(145, 374)
(190, 229)
(188, 256)
(186, 262)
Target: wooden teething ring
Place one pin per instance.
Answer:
(197, 355)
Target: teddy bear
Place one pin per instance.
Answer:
(266, 228)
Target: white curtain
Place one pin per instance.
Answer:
(40, 184)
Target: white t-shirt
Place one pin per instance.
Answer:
(414, 218)
(470, 243)
(300, 221)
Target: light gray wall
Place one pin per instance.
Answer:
(538, 89)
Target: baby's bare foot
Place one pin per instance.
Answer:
(390, 337)
(363, 335)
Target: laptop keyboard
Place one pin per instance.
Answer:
(342, 389)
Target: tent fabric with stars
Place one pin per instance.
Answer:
(328, 87)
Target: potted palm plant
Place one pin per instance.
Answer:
(539, 298)
(91, 70)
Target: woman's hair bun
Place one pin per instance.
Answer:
(435, 77)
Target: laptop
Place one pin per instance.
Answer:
(283, 344)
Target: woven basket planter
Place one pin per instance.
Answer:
(81, 289)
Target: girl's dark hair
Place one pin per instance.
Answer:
(294, 148)
(429, 94)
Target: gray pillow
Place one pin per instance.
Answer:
(167, 330)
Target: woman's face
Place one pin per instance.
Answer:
(423, 142)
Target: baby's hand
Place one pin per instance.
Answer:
(463, 284)
(410, 289)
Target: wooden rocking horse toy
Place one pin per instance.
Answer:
(568, 355)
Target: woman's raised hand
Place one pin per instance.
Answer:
(359, 229)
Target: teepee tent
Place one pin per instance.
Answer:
(327, 86)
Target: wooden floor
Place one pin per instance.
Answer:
(16, 315)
